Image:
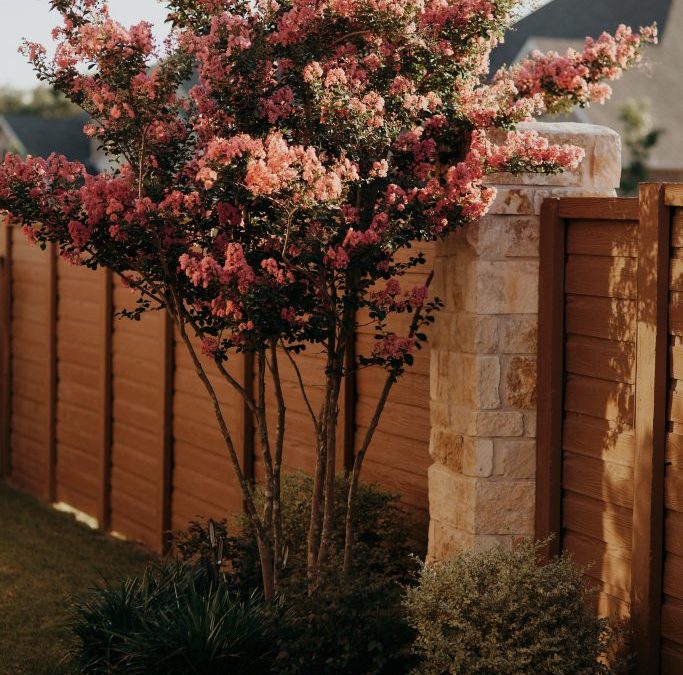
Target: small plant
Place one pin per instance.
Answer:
(174, 620)
(502, 612)
(350, 623)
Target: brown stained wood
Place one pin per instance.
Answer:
(52, 295)
(676, 362)
(601, 276)
(607, 318)
(650, 424)
(673, 194)
(673, 489)
(597, 519)
(677, 228)
(600, 439)
(613, 401)
(673, 577)
(550, 375)
(611, 483)
(106, 392)
(676, 274)
(603, 359)
(602, 238)
(166, 433)
(599, 208)
(5, 347)
(350, 397)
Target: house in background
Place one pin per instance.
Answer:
(40, 136)
(562, 24)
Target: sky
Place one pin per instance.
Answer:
(33, 20)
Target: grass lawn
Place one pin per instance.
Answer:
(45, 558)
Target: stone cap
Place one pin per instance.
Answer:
(601, 168)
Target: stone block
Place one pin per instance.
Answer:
(445, 541)
(451, 497)
(530, 424)
(519, 382)
(446, 448)
(514, 458)
(520, 237)
(477, 457)
(496, 424)
(504, 507)
(476, 333)
(519, 334)
(474, 380)
(485, 236)
(504, 287)
(513, 201)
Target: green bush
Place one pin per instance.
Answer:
(502, 612)
(348, 626)
(174, 620)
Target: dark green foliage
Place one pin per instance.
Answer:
(175, 620)
(348, 626)
(502, 612)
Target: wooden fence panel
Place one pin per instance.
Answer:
(672, 603)
(83, 320)
(139, 453)
(204, 484)
(33, 366)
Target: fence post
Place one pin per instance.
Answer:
(550, 376)
(52, 289)
(650, 425)
(168, 348)
(106, 413)
(5, 348)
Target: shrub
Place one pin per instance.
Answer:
(174, 620)
(351, 624)
(503, 612)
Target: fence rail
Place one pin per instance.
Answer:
(108, 416)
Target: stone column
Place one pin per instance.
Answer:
(483, 358)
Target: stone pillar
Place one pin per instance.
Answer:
(483, 358)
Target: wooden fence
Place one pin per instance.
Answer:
(610, 453)
(107, 415)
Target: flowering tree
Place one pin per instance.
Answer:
(264, 208)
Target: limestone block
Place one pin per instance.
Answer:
(520, 237)
(446, 448)
(519, 334)
(477, 457)
(477, 333)
(496, 424)
(506, 287)
(513, 201)
(519, 382)
(439, 414)
(530, 424)
(485, 236)
(504, 507)
(514, 458)
(473, 380)
(445, 541)
(451, 497)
